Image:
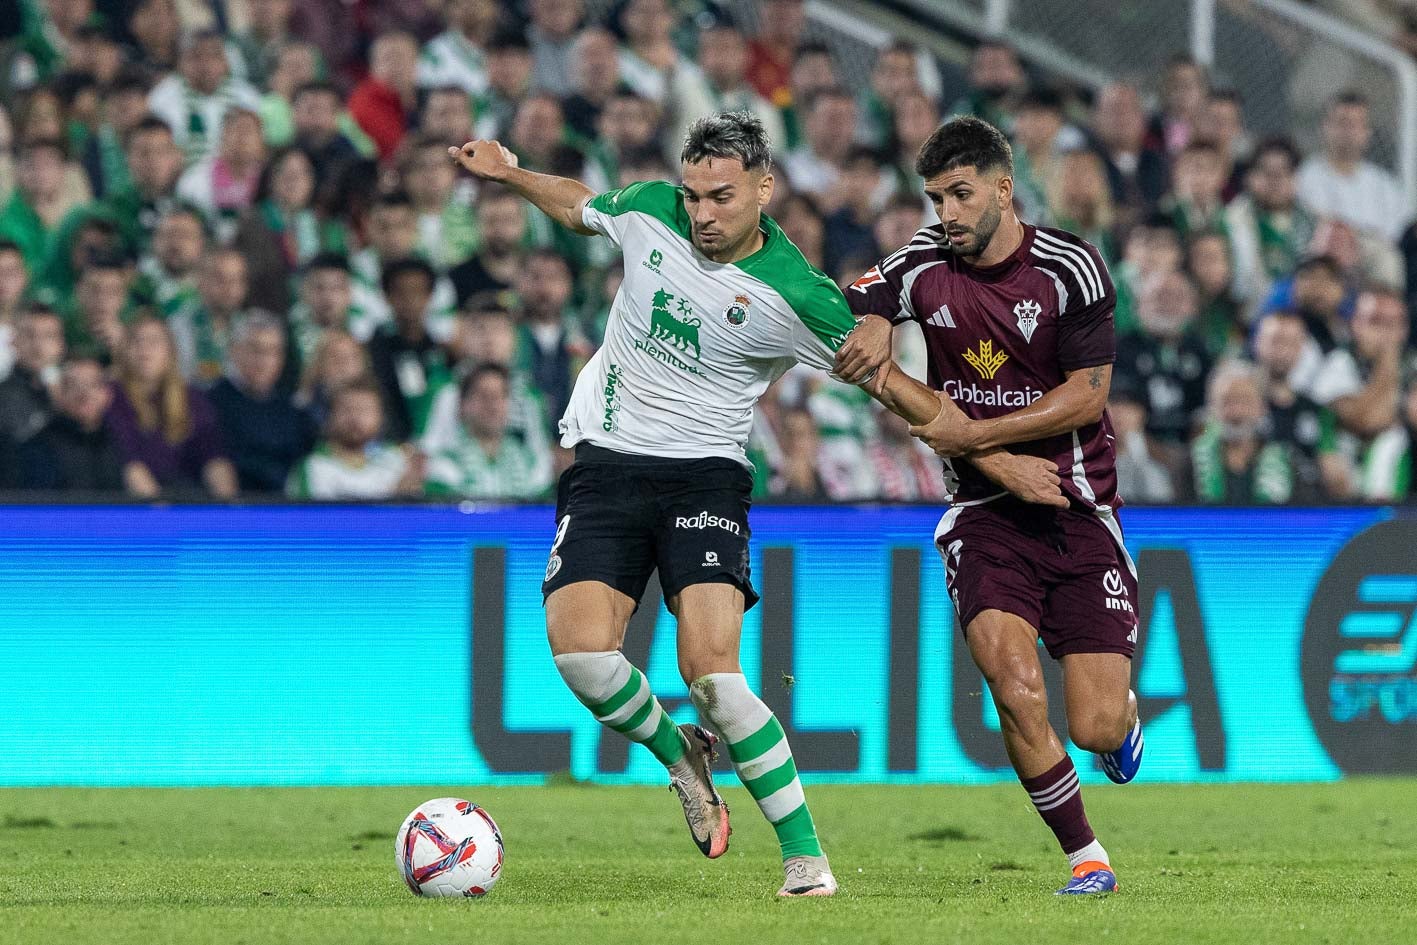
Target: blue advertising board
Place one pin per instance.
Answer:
(386, 645)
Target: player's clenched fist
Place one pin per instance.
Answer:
(485, 159)
(866, 349)
(1034, 479)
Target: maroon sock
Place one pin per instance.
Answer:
(1058, 798)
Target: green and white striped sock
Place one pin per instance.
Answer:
(760, 754)
(618, 696)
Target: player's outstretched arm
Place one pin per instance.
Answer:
(1074, 404)
(1031, 478)
(560, 198)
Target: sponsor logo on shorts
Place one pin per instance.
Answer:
(710, 559)
(705, 520)
(1116, 593)
(985, 360)
(992, 396)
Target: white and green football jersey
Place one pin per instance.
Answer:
(691, 344)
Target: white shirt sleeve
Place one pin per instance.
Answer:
(1338, 377)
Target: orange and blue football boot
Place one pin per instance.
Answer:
(1090, 878)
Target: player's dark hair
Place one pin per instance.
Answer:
(964, 142)
(401, 267)
(729, 135)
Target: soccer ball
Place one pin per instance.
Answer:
(449, 847)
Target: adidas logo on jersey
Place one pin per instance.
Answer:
(942, 318)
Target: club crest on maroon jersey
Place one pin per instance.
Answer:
(1027, 314)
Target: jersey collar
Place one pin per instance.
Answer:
(1002, 270)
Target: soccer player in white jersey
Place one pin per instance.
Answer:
(716, 305)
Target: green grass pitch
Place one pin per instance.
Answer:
(1198, 864)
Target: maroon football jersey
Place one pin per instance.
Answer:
(1001, 337)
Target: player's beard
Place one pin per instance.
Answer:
(982, 233)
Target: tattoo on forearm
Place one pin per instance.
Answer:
(1094, 379)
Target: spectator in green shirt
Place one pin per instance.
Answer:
(1231, 463)
(31, 216)
(485, 461)
(167, 277)
(154, 163)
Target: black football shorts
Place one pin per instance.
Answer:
(619, 516)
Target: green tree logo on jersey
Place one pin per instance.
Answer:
(680, 335)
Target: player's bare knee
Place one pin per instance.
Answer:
(1099, 730)
(1022, 701)
(580, 621)
(706, 657)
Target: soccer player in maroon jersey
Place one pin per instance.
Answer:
(1018, 325)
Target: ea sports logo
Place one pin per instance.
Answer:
(1358, 659)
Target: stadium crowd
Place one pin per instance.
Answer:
(235, 257)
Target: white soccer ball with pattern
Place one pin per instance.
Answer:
(449, 847)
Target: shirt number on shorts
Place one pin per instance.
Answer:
(553, 562)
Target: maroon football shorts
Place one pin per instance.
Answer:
(1062, 571)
